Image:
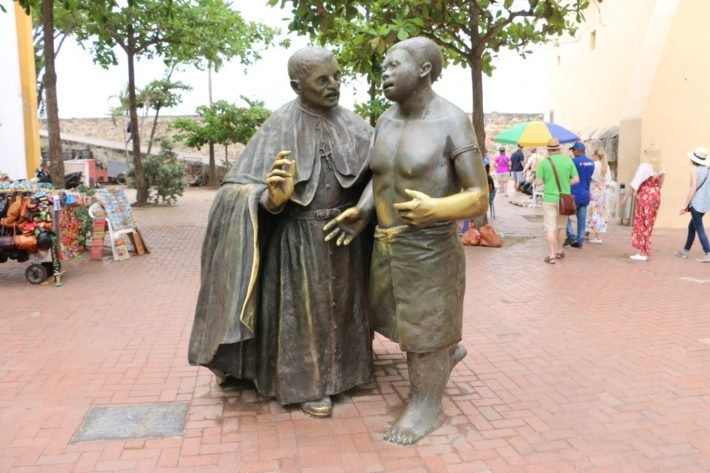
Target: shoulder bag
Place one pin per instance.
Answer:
(567, 206)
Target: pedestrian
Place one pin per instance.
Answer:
(427, 172)
(129, 130)
(502, 167)
(557, 173)
(646, 184)
(580, 191)
(278, 305)
(491, 191)
(598, 212)
(517, 163)
(697, 203)
(531, 164)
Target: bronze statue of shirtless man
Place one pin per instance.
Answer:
(427, 173)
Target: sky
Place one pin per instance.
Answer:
(86, 90)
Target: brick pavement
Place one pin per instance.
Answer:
(597, 364)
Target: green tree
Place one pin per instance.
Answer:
(179, 31)
(159, 94)
(470, 32)
(222, 123)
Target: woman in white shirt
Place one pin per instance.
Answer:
(597, 212)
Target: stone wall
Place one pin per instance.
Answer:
(114, 129)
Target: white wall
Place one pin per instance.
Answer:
(12, 128)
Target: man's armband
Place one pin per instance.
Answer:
(464, 149)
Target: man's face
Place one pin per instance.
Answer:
(320, 89)
(400, 75)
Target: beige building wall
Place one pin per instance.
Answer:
(647, 74)
(587, 84)
(677, 115)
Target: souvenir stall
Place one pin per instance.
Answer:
(38, 225)
(112, 214)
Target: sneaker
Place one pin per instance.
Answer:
(576, 244)
(568, 242)
(639, 257)
(681, 253)
(596, 241)
(704, 259)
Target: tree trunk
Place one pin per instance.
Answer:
(478, 119)
(212, 180)
(477, 95)
(373, 95)
(141, 189)
(152, 130)
(226, 154)
(56, 163)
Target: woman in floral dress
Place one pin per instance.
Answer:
(646, 184)
(597, 212)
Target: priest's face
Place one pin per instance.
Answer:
(320, 89)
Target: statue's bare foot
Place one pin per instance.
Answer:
(417, 420)
(457, 354)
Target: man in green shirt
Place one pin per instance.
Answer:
(555, 224)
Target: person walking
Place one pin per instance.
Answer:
(585, 169)
(598, 212)
(646, 184)
(502, 166)
(697, 203)
(557, 168)
(517, 161)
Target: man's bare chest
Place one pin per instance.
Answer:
(410, 149)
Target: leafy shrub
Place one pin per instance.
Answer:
(165, 176)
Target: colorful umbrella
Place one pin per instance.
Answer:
(534, 133)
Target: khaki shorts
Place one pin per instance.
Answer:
(551, 216)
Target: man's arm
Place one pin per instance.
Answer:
(472, 201)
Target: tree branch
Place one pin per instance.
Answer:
(497, 28)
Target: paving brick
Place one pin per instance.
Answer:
(594, 365)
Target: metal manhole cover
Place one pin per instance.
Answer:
(133, 422)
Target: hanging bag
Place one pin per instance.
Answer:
(567, 206)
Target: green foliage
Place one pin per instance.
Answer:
(221, 123)
(179, 31)
(372, 108)
(470, 32)
(162, 93)
(165, 176)
(198, 32)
